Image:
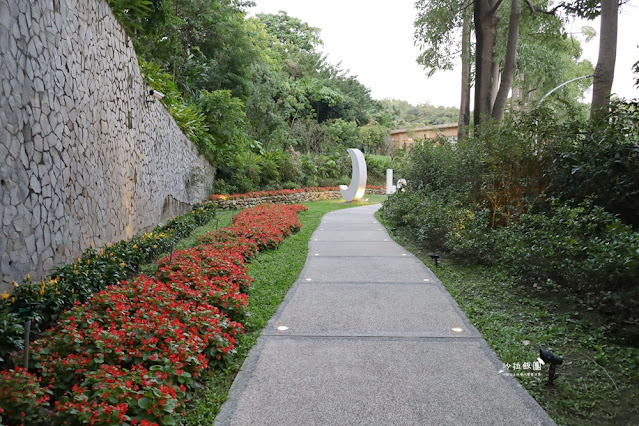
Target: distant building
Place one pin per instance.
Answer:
(406, 137)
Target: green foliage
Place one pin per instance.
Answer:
(583, 247)
(435, 32)
(346, 133)
(226, 122)
(291, 32)
(11, 331)
(22, 399)
(131, 13)
(376, 166)
(405, 115)
(554, 201)
(188, 116)
(602, 159)
(240, 88)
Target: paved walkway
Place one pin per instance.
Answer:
(369, 340)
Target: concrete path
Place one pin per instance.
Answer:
(370, 340)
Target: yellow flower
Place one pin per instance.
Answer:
(135, 246)
(5, 296)
(15, 284)
(90, 245)
(28, 276)
(123, 264)
(13, 300)
(155, 246)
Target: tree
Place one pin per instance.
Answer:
(486, 21)
(466, 54)
(508, 74)
(437, 27)
(291, 32)
(605, 70)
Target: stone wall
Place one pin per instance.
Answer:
(83, 158)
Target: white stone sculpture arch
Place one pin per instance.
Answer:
(357, 188)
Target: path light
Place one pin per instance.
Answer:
(308, 279)
(457, 329)
(435, 257)
(27, 314)
(282, 328)
(547, 357)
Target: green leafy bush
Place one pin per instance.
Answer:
(602, 159)
(582, 247)
(552, 201)
(188, 115)
(21, 398)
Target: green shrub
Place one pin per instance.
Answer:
(431, 215)
(582, 247)
(473, 239)
(188, 115)
(602, 159)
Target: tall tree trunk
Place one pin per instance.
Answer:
(494, 83)
(605, 70)
(464, 104)
(510, 63)
(486, 20)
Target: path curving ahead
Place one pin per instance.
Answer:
(370, 341)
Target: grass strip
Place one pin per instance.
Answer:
(599, 380)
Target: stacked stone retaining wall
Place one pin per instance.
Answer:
(83, 157)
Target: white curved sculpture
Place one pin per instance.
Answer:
(356, 189)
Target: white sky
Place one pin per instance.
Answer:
(374, 40)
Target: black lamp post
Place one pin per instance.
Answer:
(27, 314)
(434, 256)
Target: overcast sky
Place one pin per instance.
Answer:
(374, 40)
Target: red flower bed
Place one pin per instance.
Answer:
(266, 224)
(131, 353)
(259, 194)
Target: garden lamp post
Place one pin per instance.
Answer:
(27, 314)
